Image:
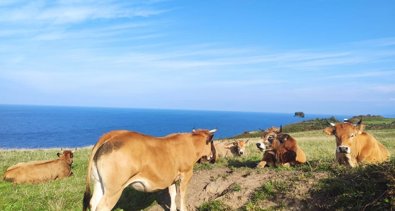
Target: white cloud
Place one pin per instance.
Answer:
(366, 74)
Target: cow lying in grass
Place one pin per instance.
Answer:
(145, 163)
(269, 154)
(226, 149)
(354, 146)
(279, 149)
(41, 171)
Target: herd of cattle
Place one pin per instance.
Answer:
(123, 158)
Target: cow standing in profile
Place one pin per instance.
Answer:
(41, 171)
(354, 146)
(146, 163)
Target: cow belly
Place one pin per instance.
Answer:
(147, 185)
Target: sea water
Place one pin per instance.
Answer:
(50, 126)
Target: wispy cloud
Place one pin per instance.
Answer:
(59, 12)
(130, 48)
(385, 88)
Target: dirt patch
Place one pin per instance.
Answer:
(238, 188)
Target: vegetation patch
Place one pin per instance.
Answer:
(214, 205)
(372, 122)
(369, 187)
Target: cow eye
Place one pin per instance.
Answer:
(270, 139)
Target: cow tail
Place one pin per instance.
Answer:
(88, 194)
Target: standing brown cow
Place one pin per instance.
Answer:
(354, 146)
(146, 163)
(41, 171)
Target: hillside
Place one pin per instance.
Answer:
(375, 122)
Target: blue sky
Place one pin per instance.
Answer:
(332, 57)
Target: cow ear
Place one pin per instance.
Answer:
(235, 143)
(329, 130)
(58, 154)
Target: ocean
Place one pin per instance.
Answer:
(70, 127)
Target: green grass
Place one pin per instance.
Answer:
(214, 205)
(66, 194)
(369, 187)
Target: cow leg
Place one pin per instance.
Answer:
(261, 164)
(183, 189)
(173, 192)
(96, 196)
(109, 199)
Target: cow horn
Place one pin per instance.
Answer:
(359, 122)
(213, 131)
(331, 123)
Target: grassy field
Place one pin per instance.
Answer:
(372, 185)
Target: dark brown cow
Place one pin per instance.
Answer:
(146, 163)
(269, 155)
(287, 150)
(41, 171)
(354, 146)
(280, 148)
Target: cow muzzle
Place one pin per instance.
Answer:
(343, 149)
(241, 152)
(261, 146)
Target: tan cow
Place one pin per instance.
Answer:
(124, 158)
(226, 149)
(354, 146)
(41, 171)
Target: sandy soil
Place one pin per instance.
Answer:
(234, 187)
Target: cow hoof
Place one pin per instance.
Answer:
(261, 164)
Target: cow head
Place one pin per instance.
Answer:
(66, 155)
(345, 134)
(239, 147)
(268, 137)
(208, 152)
